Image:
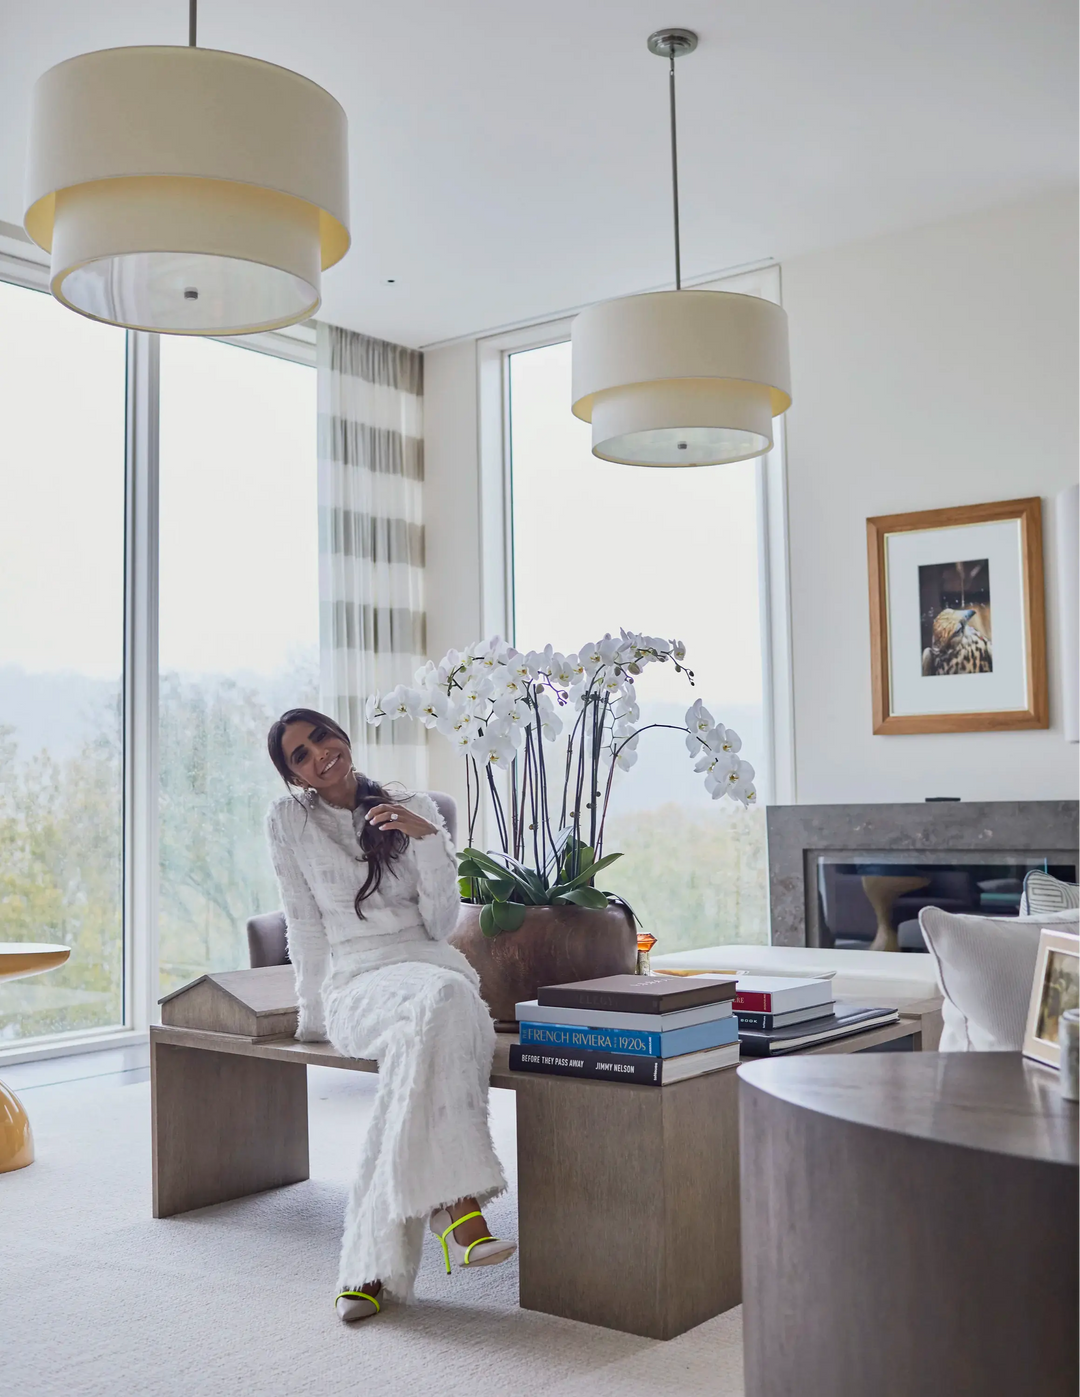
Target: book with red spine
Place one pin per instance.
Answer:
(771, 994)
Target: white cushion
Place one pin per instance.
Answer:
(864, 977)
(1044, 894)
(985, 966)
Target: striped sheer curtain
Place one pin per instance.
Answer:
(371, 541)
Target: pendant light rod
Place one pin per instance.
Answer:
(680, 378)
(672, 44)
(192, 22)
(674, 172)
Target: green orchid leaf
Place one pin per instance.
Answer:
(587, 874)
(532, 884)
(529, 885)
(487, 920)
(577, 855)
(533, 887)
(514, 863)
(587, 897)
(485, 862)
(507, 916)
(469, 868)
(536, 892)
(554, 859)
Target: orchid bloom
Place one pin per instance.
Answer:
(561, 671)
(493, 750)
(433, 706)
(494, 703)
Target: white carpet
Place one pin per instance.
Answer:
(98, 1299)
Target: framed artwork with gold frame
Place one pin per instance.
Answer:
(957, 619)
(1055, 988)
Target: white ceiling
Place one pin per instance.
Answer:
(509, 158)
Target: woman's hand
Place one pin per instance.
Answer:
(388, 817)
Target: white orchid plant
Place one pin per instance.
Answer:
(505, 711)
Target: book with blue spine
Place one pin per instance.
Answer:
(531, 1011)
(673, 1043)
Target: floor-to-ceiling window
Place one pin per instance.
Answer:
(158, 578)
(62, 432)
(675, 553)
(238, 631)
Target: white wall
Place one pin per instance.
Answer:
(934, 367)
(931, 368)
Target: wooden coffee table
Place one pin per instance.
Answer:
(911, 1225)
(644, 1180)
(17, 960)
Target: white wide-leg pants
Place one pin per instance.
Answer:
(429, 1142)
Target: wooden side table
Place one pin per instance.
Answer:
(18, 959)
(909, 1227)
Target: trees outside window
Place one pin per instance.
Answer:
(62, 431)
(238, 632)
(226, 437)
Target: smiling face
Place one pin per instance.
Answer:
(315, 756)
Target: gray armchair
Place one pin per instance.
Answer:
(267, 944)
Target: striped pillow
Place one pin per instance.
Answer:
(1043, 894)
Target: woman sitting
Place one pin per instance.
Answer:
(369, 887)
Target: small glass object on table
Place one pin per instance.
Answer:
(645, 943)
(1069, 1066)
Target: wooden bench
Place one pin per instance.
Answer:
(628, 1196)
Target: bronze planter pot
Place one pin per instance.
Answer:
(553, 946)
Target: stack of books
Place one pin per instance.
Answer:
(779, 1015)
(649, 1029)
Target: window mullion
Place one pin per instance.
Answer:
(141, 684)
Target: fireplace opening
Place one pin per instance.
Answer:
(873, 902)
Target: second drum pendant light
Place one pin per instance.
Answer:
(680, 378)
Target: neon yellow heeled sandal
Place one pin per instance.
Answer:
(485, 1251)
(357, 1304)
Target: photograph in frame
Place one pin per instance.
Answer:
(957, 624)
(1055, 988)
(956, 629)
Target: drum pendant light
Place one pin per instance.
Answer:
(186, 190)
(680, 378)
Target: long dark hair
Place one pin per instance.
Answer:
(382, 847)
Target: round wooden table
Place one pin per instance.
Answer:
(909, 1226)
(18, 959)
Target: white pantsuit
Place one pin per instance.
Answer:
(388, 987)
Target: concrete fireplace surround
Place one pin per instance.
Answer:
(934, 832)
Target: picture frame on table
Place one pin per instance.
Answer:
(1055, 988)
(957, 619)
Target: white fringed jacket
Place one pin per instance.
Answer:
(316, 855)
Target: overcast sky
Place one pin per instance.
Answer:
(598, 546)
(239, 540)
(239, 511)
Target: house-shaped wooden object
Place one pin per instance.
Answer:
(253, 1004)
